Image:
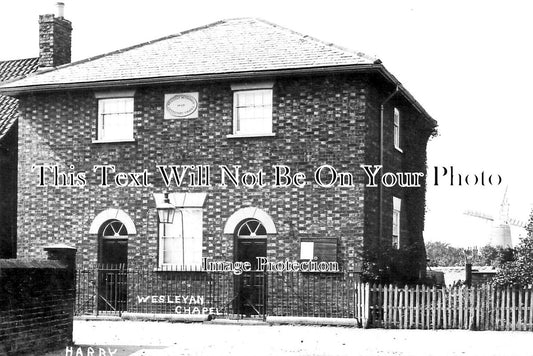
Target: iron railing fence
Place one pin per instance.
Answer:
(115, 289)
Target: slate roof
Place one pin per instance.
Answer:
(228, 49)
(228, 46)
(10, 70)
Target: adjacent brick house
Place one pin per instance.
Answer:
(54, 50)
(239, 92)
(8, 156)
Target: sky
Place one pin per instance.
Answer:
(469, 63)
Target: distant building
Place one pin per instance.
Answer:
(457, 274)
(502, 226)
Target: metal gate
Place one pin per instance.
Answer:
(251, 294)
(112, 291)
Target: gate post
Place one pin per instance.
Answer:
(67, 255)
(366, 306)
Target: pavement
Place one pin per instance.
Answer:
(171, 339)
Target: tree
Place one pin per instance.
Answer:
(389, 265)
(519, 272)
(494, 256)
(443, 255)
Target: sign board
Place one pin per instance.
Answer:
(181, 106)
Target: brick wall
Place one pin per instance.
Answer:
(409, 263)
(316, 121)
(321, 120)
(36, 305)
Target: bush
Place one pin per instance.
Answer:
(519, 271)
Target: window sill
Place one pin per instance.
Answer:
(176, 268)
(251, 135)
(113, 141)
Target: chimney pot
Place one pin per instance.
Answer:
(60, 9)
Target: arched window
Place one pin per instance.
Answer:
(251, 228)
(114, 229)
(108, 215)
(249, 213)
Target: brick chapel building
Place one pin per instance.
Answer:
(244, 94)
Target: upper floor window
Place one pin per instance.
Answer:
(396, 218)
(397, 129)
(252, 110)
(115, 117)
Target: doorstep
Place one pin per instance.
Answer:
(98, 317)
(244, 321)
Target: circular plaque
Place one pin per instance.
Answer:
(182, 105)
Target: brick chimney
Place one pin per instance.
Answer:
(55, 37)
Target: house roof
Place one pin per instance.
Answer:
(234, 48)
(228, 46)
(10, 70)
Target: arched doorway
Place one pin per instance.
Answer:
(113, 243)
(113, 263)
(250, 244)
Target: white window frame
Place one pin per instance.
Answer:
(126, 135)
(241, 90)
(186, 229)
(397, 129)
(186, 236)
(396, 221)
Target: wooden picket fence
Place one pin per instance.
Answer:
(477, 308)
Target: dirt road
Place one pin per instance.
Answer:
(259, 340)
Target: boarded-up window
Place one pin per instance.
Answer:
(319, 249)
